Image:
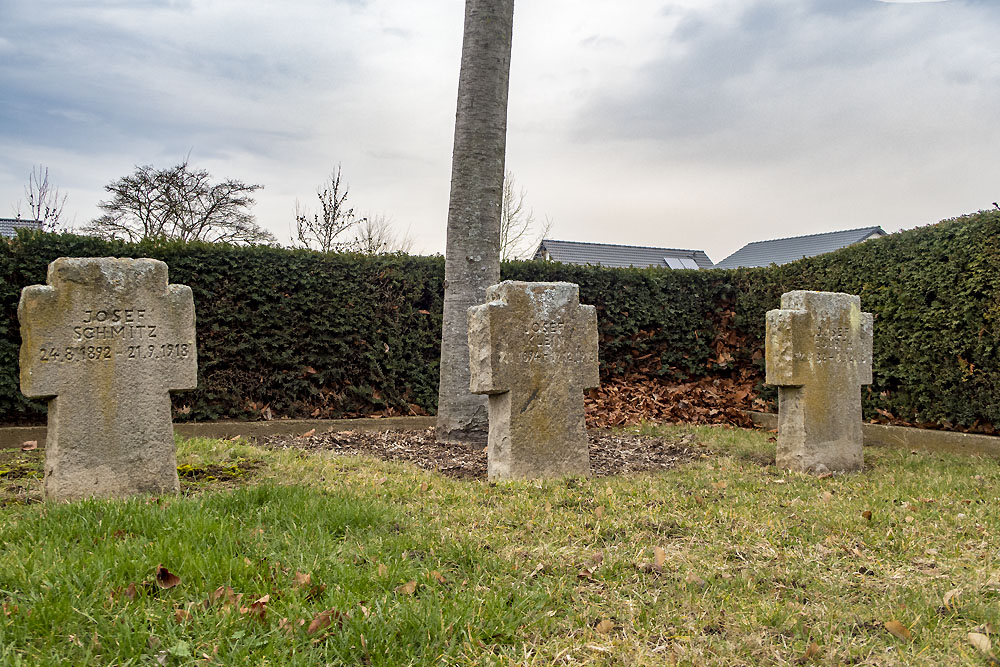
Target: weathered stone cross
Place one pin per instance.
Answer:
(533, 349)
(107, 339)
(819, 353)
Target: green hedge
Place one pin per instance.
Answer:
(291, 331)
(301, 333)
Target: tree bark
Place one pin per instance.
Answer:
(472, 256)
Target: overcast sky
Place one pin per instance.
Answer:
(702, 124)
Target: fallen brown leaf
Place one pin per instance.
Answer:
(659, 556)
(383, 569)
(599, 512)
(867, 514)
(605, 626)
(981, 642)
(181, 615)
(257, 608)
(165, 578)
(302, 580)
(951, 598)
(409, 588)
(224, 593)
(324, 620)
(811, 652)
(898, 630)
(310, 432)
(437, 576)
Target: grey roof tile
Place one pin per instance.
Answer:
(8, 225)
(620, 256)
(782, 251)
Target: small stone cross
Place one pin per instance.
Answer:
(819, 353)
(107, 339)
(533, 349)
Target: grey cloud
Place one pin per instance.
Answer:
(87, 84)
(766, 81)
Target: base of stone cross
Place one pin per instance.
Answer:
(567, 455)
(137, 458)
(803, 445)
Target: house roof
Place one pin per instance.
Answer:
(782, 251)
(607, 254)
(8, 225)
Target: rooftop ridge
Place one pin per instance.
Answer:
(805, 236)
(620, 245)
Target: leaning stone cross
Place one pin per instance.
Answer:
(106, 340)
(533, 349)
(819, 353)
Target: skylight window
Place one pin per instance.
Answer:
(680, 262)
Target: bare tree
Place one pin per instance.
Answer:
(321, 230)
(178, 203)
(517, 223)
(374, 235)
(44, 202)
(472, 255)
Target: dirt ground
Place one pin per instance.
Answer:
(610, 453)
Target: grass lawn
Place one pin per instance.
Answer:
(288, 558)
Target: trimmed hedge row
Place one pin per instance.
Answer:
(299, 333)
(293, 332)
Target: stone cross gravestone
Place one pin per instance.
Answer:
(819, 353)
(533, 350)
(105, 340)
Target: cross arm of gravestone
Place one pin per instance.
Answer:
(591, 377)
(782, 353)
(488, 363)
(54, 319)
(808, 330)
(39, 303)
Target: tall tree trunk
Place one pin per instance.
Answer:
(472, 257)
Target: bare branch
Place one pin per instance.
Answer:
(179, 203)
(374, 235)
(44, 202)
(321, 230)
(517, 222)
